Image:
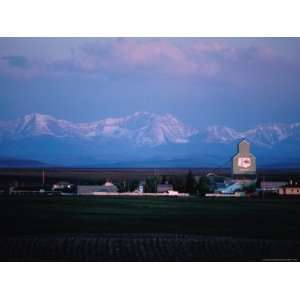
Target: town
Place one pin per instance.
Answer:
(242, 182)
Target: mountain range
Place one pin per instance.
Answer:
(142, 139)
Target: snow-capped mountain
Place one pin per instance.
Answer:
(141, 128)
(140, 136)
(144, 129)
(36, 125)
(262, 135)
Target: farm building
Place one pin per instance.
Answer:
(32, 190)
(141, 187)
(108, 187)
(272, 186)
(62, 185)
(289, 190)
(244, 162)
(164, 188)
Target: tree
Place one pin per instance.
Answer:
(203, 186)
(122, 186)
(163, 179)
(190, 183)
(151, 184)
(251, 188)
(178, 183)
(133, 184)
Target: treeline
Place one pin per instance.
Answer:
(188, 183)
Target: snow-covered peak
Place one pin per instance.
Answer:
(140, 128)
(269, 134)
(145, 128)
(264, 135)
(36, 124)
(37, 116)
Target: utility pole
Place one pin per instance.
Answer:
(43, 177)
(263, 190)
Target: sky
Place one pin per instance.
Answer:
(236, 82)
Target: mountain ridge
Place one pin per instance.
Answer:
(149, 128)
(141, 136)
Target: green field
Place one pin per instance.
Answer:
(148, 229)
(243, 218)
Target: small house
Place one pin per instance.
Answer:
(108, 187)
(164, 188)
(272, 186)
(289, 190)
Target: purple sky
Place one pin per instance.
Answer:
(239, 82)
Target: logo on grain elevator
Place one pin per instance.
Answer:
(244, 162)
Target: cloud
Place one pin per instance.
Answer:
(136, 56)
(189, 58)
(196, 59)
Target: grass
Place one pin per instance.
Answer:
(239, 218)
